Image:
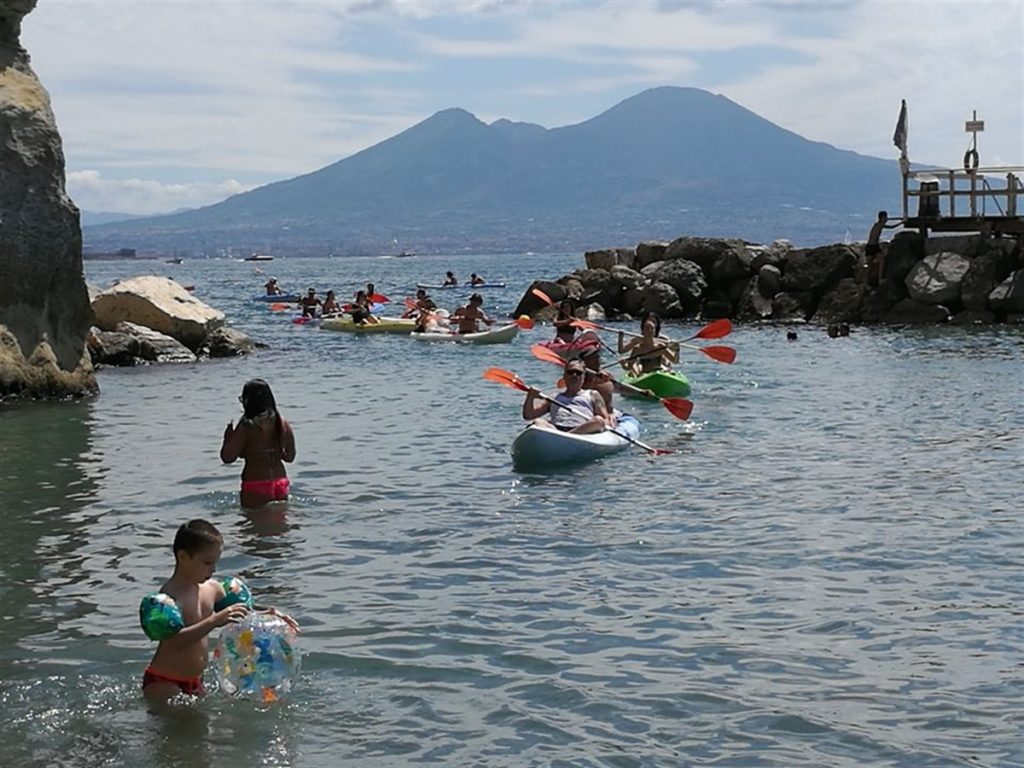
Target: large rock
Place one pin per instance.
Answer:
(731, 266)
(685, 277)
(609, 257)
(752, 305)
(817, 270)
(1008, 297)
(158, 303)
(704, 251)
(842, 304)
(156, 347)
(649, 252)
(663, 299)
(627, 278)
(879, 302)
(769, 280)
(44, 305)
(910, 312)
(986, 272)
(936, 278)
(229, 342)
(905, 250)
(789, 306)
(530, 304)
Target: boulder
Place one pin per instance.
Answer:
(44, 304)
(905, 250)
(911, 312)
(609, 257)
(968, 246)
(649, 251)
(817, 270)
(752, 305)
(158, 303)
(573, 287)
(663, 299)
(789, 306)
(842, 304)
(594, 280)
(704, 251)
(936, 278)
(530, 304)
(715, 308)
(631, 301)
(627, 278)
(156, 347)
(973, 317)
(878, 302)
(228, 342)
(594, 313)
(1008, 297)
(730, 266)
(774, 254)
(686, 278)
(113, 348)
(769, 280)
(986, 272)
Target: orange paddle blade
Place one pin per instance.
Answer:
(547, 355)
(715, 330)
(524, 322)
(679, 407)
(379, 298)
(585, 325)
(278, 307)
(542, 296)
(410, 303)
(505, 378)
(721, 354)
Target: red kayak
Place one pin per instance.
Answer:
(584, 344)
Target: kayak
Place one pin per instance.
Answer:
(491, 336)
(467, 286)
(385, 325)
(306, 320)
(283, 298)
(661, 383)
(584, 344)
(539, 446)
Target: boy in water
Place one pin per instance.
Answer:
(180, 658)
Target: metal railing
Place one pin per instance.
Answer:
(939, 189)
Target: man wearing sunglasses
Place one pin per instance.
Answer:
(575, 409)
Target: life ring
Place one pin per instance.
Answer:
(971, 160)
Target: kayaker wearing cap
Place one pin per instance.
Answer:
(273, 289)
(575, 409)
(469, 315)
(309, 303)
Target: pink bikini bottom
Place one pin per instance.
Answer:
(273, 489)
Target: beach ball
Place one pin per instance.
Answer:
(258, 658)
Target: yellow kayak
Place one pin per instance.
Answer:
(383, 325)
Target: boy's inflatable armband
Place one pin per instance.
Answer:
(235, 591)
(160, 616)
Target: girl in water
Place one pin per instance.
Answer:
(265, 441)
(650, 352)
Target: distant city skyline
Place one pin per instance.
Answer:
(180, 104)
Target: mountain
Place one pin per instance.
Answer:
(666, 162)
(92, 218)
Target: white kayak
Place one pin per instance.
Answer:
(465, 287)
(500, 335)
(539, 446)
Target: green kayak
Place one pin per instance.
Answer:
(661, 383)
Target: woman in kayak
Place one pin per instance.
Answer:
(650, 352)
(309, 303)
(360, 310)
(575, 409)
(265, 441)
(565, 331)
(330, 307)
(471, 315)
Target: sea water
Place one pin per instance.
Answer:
(828, 572)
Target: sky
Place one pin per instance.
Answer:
(165, 105)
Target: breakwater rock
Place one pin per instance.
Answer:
(152, 319)
(945, 279)
(44, 306)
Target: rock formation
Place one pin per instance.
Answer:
(44, 305)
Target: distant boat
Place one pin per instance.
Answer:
(259, 257)
(175, 261)
(404, 255)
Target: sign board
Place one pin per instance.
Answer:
(974, 125)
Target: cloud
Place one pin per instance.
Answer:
(92, 192)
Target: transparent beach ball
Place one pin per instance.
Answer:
(258, 658)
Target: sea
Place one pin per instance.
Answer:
(827, 571)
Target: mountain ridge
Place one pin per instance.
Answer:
(664, 162)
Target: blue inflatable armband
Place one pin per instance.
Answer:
(160, 616)
(235, 591)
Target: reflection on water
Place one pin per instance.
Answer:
(827, 573)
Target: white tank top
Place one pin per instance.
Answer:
(581, 401)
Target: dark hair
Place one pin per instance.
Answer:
(572, 308)
(195, 536)
(360, 293)
(259, 405)
(652, 316)
(476, 297)
(883, 214)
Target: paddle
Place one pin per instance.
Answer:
(679, 407)
(713, 330)
(509, 379)
(379, 298)
(278, 307)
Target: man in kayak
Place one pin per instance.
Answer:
(575, 409)
(450, 279)
(273, 289)
(309, 303)
(470, 315)
(475, 279)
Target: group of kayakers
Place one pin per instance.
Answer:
(586, 404)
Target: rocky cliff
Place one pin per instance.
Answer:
(44, 304)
